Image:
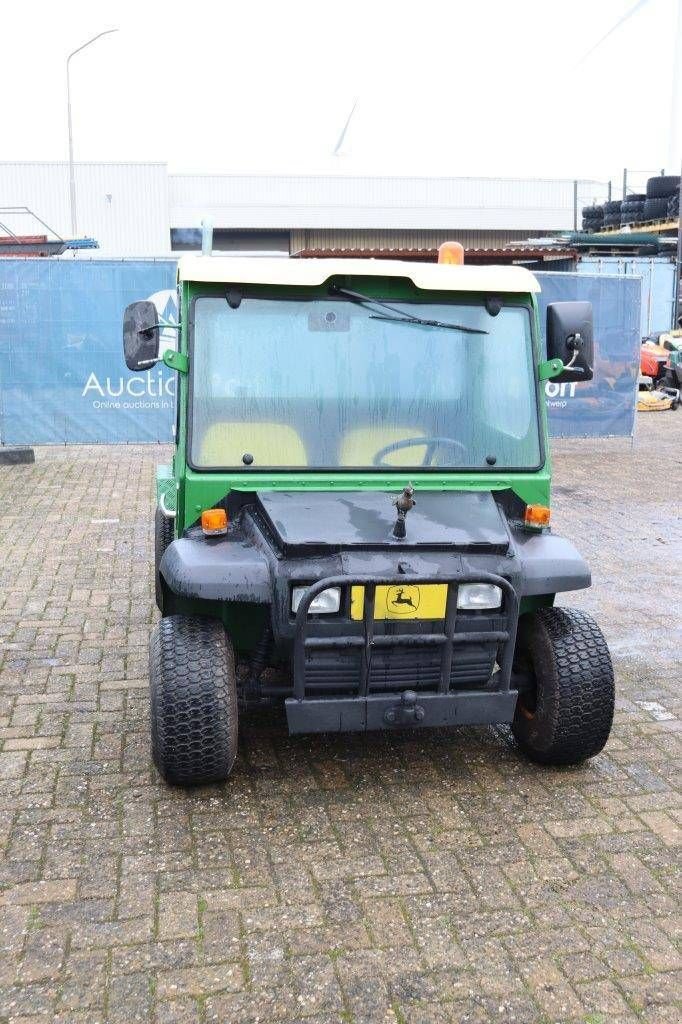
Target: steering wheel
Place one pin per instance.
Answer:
(432, 443)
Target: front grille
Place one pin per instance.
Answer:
(396, 669)
(375, 658)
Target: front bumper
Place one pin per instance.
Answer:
(390, 699)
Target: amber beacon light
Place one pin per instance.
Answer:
(451, 252)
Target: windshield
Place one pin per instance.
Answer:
(324, 384)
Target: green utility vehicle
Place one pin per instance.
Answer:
(355, 521)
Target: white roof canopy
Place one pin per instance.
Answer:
(282, 271)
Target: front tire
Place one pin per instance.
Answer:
(193, 692)
(565, 715)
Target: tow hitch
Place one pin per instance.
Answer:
(406, 711)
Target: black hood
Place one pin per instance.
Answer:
(303, 522)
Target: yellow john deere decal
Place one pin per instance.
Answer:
(402, 601)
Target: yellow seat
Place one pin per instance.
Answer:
(359, 447)
(271, 444)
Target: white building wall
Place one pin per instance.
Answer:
(130, 207)
(326, 201)
(124, 206)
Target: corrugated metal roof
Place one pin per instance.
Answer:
(374, 238)
(415, 255)
(521, 254)
(507, 255)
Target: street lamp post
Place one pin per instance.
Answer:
(72, 178)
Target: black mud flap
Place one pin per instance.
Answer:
(399, 710)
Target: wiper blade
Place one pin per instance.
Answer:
(363, 299)
(427, 323)
(400, 315)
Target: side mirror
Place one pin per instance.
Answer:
(140, 335)
(569, 338)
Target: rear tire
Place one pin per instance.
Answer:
(566, 717)
(163, 535)
(193, 692)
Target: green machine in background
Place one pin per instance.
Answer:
(356, 519)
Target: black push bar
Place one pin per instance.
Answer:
(369, 642)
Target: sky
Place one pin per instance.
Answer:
(443, 87)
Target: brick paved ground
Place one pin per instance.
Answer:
(403, 878)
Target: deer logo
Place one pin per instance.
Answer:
(403, 600)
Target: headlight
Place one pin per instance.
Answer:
(326, 602)
(475, 596)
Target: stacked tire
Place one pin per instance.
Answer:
(632, 209)
(661, 194)
(612, 213)
(593, 218)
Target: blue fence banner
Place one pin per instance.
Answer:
(604, 407)
(63, 378)
(62, 374)
(657, 277)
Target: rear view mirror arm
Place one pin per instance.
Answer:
(575, 343)
(176, 360)
(162, 325)
(550, 368)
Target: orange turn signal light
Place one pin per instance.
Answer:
(537, 515)
(214, 521)
(451, 252)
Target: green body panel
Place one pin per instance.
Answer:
(243, 622)
(197, 491)
(550, 368)
(176, 360)
(203, 490)
(165, 483)
(531, 604)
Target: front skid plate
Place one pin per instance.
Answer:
(386, 711)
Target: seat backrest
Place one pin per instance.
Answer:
(359, 446)
(271, 444)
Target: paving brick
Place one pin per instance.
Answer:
(83, 982)
(180, 1011)
(54, 891)
(381, 879)
(178, 915)
(604, 998)
(386, 920)
(654, 946)
(43, 955)
(551, 990)
(316, 984)
(129, 998)
(199, 981)
(221, 935)
(664, 826)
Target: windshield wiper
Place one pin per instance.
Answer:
(427, 323)
(400, 315)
